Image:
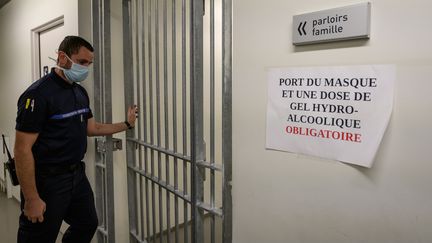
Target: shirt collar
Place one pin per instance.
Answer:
(59, 80)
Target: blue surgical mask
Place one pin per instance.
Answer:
(76, 73)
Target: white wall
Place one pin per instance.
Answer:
(17, 19)
(119, 115)
(283, 197)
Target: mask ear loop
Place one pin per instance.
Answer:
(53, 59)
(56, 60)
(57, 52)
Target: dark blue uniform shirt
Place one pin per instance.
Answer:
(58, 111)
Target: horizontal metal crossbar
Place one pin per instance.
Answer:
(210, 165)
(162, 183)
(102, 231)
(160, 149)
(101, 165)
(137, 238)
(177, 155)
(210, 209)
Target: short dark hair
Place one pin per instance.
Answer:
(71, 45)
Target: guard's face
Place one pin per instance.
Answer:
(83, 57)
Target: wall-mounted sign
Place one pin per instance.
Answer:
(338, 113)
(45, 70)
(345, 23)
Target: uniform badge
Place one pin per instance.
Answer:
(30, 103)
(27, 103)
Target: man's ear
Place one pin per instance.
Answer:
(62, 59)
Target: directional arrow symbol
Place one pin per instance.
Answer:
(301, 29)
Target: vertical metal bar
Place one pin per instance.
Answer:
(135, 78)
(144, 122)
(102, 39)
(150, 9)
(137, 31)
(101, 116)
(167, 166)
(227, 118)
(212, 116)
(97, 113)
(104, 201)
(158, 120)
(128, 92)
(174, 104)
(197, 110)
(184, 121)
(108, 119)
(136, 75)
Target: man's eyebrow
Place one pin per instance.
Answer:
(84, 61)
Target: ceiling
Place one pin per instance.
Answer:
(3, 2)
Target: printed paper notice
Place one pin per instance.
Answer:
(338, 113)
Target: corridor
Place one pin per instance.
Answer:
(9, 209)
(9, 218)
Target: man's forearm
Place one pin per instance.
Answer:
(25, 166)
(108, 129)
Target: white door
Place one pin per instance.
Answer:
(49, 40)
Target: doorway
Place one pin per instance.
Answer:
(45, 41)
(178, 70)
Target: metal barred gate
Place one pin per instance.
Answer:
(104, 169)
(177, 64)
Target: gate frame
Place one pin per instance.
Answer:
(104, 192)
(227, 6)
(196, 117)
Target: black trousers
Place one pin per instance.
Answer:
(68, 197)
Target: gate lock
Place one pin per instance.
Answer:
(102, 144)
